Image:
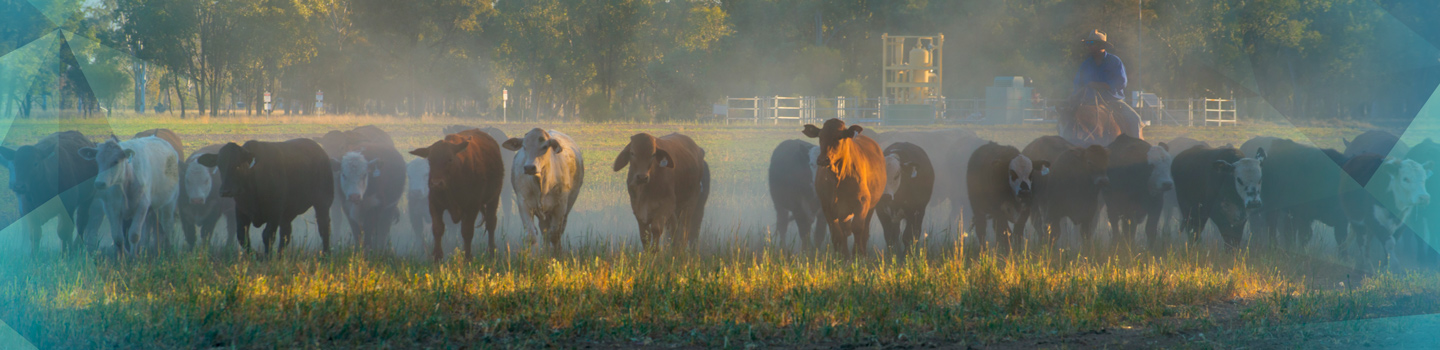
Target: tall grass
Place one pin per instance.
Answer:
(735, 297)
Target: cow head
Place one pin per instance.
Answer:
(198, 182)
(643, 158)
(112, 162)
(1160, 178)
(418, 174)
(831, 136)
(28, 168)
(1022, 173)
(894, 173)
(355, 174)
(235, 164)
(1407, 182)
(1096, 161)
(442, 156)
(538, 148)
(1247, 175)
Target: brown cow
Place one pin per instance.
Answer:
(465, 179)
(849, 179)
(669, 182)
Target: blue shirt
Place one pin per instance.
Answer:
(1110, 71)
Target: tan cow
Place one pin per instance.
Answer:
(849, 179)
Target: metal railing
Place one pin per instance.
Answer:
(807, 109)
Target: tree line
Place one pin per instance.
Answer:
(655, 60)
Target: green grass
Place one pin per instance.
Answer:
(745, 288)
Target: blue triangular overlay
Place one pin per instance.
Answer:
(10, 340)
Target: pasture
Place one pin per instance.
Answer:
(744, 288)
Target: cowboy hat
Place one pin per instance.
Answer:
(1097, 36)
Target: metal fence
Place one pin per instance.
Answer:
(806, 109)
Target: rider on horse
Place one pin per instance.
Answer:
(1102, 78)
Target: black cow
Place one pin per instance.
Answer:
(272, 183)
(1140, 174)
(999, 181)
(1378, 142)
(49, 168)
(1296, 191)
(1216, 184)
(792, 189)
(910, 180)
(1072, 190)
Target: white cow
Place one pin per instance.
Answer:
(137, 178)
(547, 174)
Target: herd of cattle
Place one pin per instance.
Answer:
(1376, 188)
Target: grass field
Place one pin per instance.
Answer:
(744, 289)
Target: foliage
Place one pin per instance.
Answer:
(663, 60)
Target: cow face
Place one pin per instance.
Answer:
(355, 174)
(235, 165)
(418, 174)
(1246, 175)
(538, 147)
(894, 173)
(1160, 178)
(198, 182)
(1407, 182)
(1097, 159)
(112, 161)
(1022, 174)
(643, 158)
(831, 136)
(442, 156)
(28, 168)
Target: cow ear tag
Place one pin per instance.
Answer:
(664, 162)
(914, 173)
(375, 173)
(1045, 171)
(252, 163)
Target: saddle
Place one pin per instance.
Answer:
(1094, 123)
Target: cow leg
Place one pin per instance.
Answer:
(805, 226)
(467, 234)
(136, 223)
(437, 232)
(839, 237)
(267, 237)
(1152, 230)
(89, 227)
(860, 229)
(207, 230)
(527, 221)
(417, 224)
(241, 230)
(322, 223)
(490, 220)
(187, 226)
(914, 228)
(557, 230)
(165, 226)
(285, 232)
(79, 218)
(782, 223)
(1017, 233)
